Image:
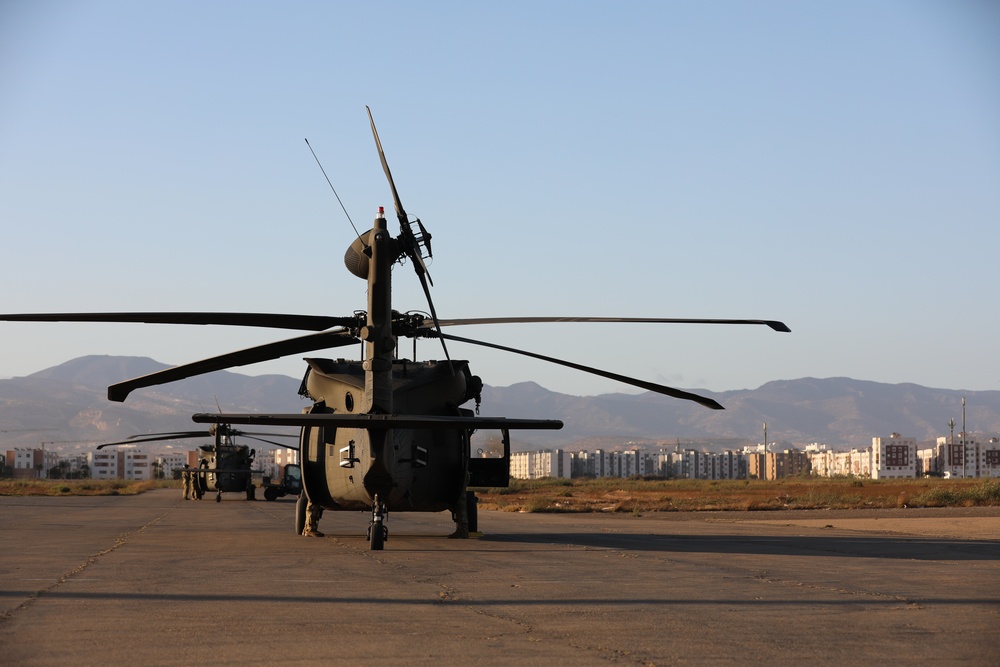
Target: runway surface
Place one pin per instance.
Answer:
(156, 580)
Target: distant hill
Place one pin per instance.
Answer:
(69, 403)
(835, 411)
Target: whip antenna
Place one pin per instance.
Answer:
(320, 164)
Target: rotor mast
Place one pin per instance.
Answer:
(379, 342)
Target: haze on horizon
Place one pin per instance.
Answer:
(835, 166)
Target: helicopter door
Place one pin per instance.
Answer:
(489, 464)
(312, 458)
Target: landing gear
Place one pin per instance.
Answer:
(472, 509)
(378, 533)
(218, 497)
(300, 513)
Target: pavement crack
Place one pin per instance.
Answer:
(120, 541)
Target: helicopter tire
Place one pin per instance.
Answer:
(377, 536)
(218, 497)
(270, 493)
(300, 513)
(472, 510)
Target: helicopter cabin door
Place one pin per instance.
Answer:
(489, 464)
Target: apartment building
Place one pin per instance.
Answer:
(170, 462)
(30, 463)
(103, 464)
(132, 463)
(537, 465)
(962, 456)
(893, 457)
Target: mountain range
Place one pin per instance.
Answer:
(66, 408)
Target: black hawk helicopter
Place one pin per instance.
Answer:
(224, 466)
(383, 434)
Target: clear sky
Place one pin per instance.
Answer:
(835, 165)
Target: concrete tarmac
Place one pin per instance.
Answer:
(156, 580)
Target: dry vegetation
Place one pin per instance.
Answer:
(79, 487)
(644, 495)
(648, 495)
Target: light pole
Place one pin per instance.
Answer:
(963, 437)
(951, 443)
(761, 469)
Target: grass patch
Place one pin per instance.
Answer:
(638, 495)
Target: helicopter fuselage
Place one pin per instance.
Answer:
(225, 467)
(421, 469)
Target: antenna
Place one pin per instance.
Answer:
(334, 192)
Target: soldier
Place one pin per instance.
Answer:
(188, 486)
(460, 514)
(313, 514)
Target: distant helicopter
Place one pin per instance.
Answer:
(223, 467)
(383, 434)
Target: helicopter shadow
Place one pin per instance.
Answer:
(852, 546)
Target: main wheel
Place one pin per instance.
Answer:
(218, 497)
(270, 493)
(300, 513)
(377, 536)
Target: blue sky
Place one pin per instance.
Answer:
(835, 165)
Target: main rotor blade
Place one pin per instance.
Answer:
(379, 421)
(326, 339)
(412, 252)
(642, 384)
(773, 324)
(400, 213)
(434, 319)
(266, 320)
(170, 434)
(157, 437)
(271, 442)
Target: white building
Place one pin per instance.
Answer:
(264, 461)
(103, 464)
(963, 456)
(893, 457)
(171, 462)
(132, 463)
(136, 464)
(31, 463)
(989, 458)
(537, 465)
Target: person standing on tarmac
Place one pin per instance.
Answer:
(313, 514)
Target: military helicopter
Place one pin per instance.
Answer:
(223, 466)
(383, 434)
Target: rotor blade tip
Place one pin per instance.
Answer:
(117, 394)
(779, 326)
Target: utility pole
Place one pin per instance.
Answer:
(963, 437)
(761, 473)
(951, 443)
